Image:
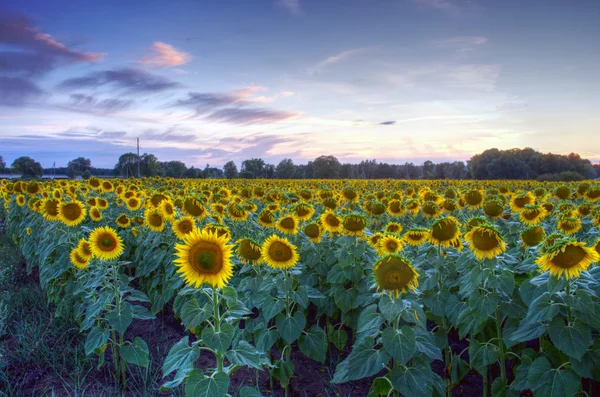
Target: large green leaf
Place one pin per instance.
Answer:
(546, 381)
(199, 385)
(390, 308)
(401, 344)
(589, 365)
(482, 355)
(271, 308)
(483, 305)
(265, 338)
(193, 315)
(542, 309)
(121, 319)
(414, 381)
(245, 354)
(572, 340)
(181, 356)
(283, 371)
(290, 327)
(369, 321)
(313, 343)
(218, 341)
(527, 331)
(136, 352)
(95, 339)
(363, 361)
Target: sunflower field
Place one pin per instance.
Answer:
(415, 284)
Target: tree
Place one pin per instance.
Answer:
(78, 167)
(2, 165)
(28, 167)
(149, 165)
(269, 171)
(127, 165)
(285, 169)
(174, 169)
(254, 166)
(326, 167)
(230, 170)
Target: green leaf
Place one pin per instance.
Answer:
(248, 391)
(283, 371)
(136, 352)
(500, 389)
(339, 336)
(121, 319)
(542, 309)
(181, 356)
(193, 315)
(548, 382)
(436, 302)
(218, 341)
(290, 327)
(483, 305)
(265, 338)
(271, 308)
(141, 313)
(180, 376)
(199, 385)
(245, 354)
(390, 309)
(426, 345)
(414, 381)
(138, 296)
(401, 344)
(379, 388)
(363, 361)
(95, 339)
(314, 343)
(369, 321)
(589, 365)
(572, 340)
(527, 331)
(506, 282)
(459, 369)
(482, 355)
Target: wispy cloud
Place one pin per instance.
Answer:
(32, 51)
(387, 123)
(128, 79)
(163, 55)
(462, 45)
(245, 116)
(446, 5)
(16, 91)
(93, 104)
(291, 5)
(316, 69)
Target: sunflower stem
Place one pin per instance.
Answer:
(500, 345)
(217, 315)
(568, 291)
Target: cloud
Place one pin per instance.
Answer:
(462, 45)
(170, 135)
(387, 123)
(446, 5)
(291, 5)
(163, 55)
(16, 91)
(473, 76)
(90, 133)
(249, 116)
(93, 104)
(315, 70)
(129, 79)
(37, 52)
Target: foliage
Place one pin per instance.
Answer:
(28, 167)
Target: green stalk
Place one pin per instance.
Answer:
(500, 346)
(217, 315)
(568, 291)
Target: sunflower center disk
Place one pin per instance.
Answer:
(280, 251)
(570, 257)
(205, 258)
(484, 241)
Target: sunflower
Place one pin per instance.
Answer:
(473, 198)
(532, 236)
(193, 207)
(430, 209)
(374, 239)
(204, 258)
(304, 211)
(449, 205)
(288, 224)
(183, 226)
(266, 219)
(330, 222)
(585, 209)
(166, 209)
(20, 200)
(85, 249)
(248, 251)
(377, 208)
(218, 229)
(485, 242)
(350, 194)
(153, 220)
(236, 212)
(71, 213)
(568, 225)
(395, 208)
(597, 246)
(562, 192)
(354, 224)
(107, 186)
(101, 203)
(593, 194)
(50, 209)
(412, 207)
(95, 214)
(394, 228)
(279, 253)
(567, 257)
(493, 209)
(395, 273)
(416, 236)
(313, 231)
(133, 203)
(123, 221)
(532, 214)
(105, 243)
(77, 259)
(445, 232)
(475, 221)
(389, 244)
(28, 231)
(519, 201)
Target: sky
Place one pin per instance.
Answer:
(206, 82)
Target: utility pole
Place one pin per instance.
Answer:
(139, 158)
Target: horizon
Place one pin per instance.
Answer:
(208, 82)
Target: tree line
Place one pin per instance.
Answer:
(491, 164)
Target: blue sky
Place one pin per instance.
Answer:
(212, 81)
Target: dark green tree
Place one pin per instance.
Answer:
(255, 166)
(78, 167)
(285, 169)
(149, 165)
(127, 165)
(174, 169)
(28, 167)
(326, 167)
(2, 165)
(230, 170)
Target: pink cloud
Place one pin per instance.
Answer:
(163, 55)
